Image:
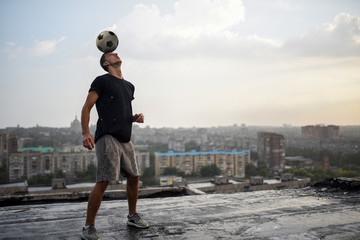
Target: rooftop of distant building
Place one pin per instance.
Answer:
(194, 152)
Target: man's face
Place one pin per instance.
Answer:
(113, 58)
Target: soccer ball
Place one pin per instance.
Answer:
(107, 41)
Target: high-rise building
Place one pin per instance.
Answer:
(8, 145)
(271, 150)
(229, 163)
(321, 132)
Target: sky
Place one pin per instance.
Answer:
(202, 63)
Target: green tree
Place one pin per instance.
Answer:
(210, 170)
(170, 171)
(338, 159)
(191, 145)
(41, 179)
(320, 174)
(305, 152)
(148, 177)
(260, 170)
(254, 155)
(59, 174)
(4, 175)
(87, 176)
(250, 170)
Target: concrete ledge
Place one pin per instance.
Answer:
(82, 194)
(70, 196)
(246, 186)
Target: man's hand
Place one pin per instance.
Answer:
(88, 141)
(139, 118)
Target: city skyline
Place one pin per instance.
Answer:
(194, 64)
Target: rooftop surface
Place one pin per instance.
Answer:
(282, 214)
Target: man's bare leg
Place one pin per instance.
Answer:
(94, 202)
(132, 192)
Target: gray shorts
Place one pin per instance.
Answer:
(113, 158)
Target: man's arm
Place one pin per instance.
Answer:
(88, 139)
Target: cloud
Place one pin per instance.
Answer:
(192, 19)
(146, 33)
(197, 61)
(206, 29)
(44, 48)
(338, 39)
(12, 50)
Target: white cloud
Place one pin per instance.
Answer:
(192, 19)
(44, 48)
(12, 50)
(145, 33)
(340, 38)
(204, 28)
(200, 64)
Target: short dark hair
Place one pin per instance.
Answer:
(102, 61)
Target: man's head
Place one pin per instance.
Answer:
(110, 59)
(102, 61)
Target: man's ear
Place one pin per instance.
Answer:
(105, 64)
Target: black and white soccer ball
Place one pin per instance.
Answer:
(107, 41)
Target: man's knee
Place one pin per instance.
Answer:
(133, 180)
(101, 186)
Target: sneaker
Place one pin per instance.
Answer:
(136, 221)
(90, 234)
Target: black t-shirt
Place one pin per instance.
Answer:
(113, 107)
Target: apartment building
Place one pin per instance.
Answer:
(320, 132)
(36, 161)
(142, 160)
(8, 145)
(29, 162)
(230, 163)
(271, 150)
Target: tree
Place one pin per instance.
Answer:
(148, 177)
(339, 159)
(320, 174)
(260, 170)
(210, 170)
(41, 179)
(254, 155)
(250, 170)
(59, 174)
(87, 176)
(192, 145)
(4, 175)
(170, 171)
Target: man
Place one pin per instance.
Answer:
(114, 151)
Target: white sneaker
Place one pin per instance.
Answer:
(137, 221)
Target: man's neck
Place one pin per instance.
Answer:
(116, 73)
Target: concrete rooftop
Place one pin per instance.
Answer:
(283, 214)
